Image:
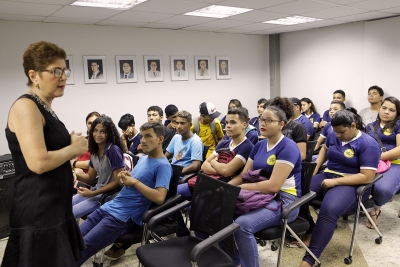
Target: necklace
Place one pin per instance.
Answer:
(43, 104)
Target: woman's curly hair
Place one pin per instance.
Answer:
(283, 103)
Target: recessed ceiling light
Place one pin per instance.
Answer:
(116, 4)
(215, 11)
(292, 20)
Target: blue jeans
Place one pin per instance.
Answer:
(337, 201)
(101, 229)
(252, 222)
(82, 206)
(387, 187)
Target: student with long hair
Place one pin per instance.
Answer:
(352, 160)
(309, 110)
(387, 127)
(280, 158)
(106, 161)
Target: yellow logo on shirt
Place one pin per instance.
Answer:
(387, 132)
(349, 153)
(271, 160)
(312, 120)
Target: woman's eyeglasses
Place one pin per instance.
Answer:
(266, 121)
(57, 72)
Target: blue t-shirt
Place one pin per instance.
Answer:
(314, 117)
(254, 121)
(326, 117)
(184, 152)
(326, 130)
(307, 124)
(242, 150)
(388, 137)
(133, 144)
(285, 151)
(362, 152)
(112, 160)
(130, 203)
(251, 135)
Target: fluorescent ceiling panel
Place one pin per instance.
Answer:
(112, 4)
(215, 11)
(292, 20)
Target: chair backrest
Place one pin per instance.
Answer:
(310, 150)
(205, 151)
(173, 184)
(213, 206)
(307, 170)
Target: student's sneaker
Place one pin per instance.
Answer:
(115, 252)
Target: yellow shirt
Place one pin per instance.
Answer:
(206, 134)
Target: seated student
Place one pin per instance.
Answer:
(233, 103)
(337, 95)
(387, 127)
(260, 109)
(292, 130)
(106, 161)
(279, 158)
(130, 136)
(352, 160)
(170, 113)
(236, 123)
(308, 109)
(250, 132)
(155, 113)
(148, 182)
(297, 116)
(375, 96)
(207, 126)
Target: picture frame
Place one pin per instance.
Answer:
(94, 68)
(202, 67)
(126, 69)
(179, 68)
(223, 68)
(69, 62)
(153, 69)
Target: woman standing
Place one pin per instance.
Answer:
(43, 229)
(280, 158)
(387, 128)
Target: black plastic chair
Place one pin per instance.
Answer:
(297, 226)
(369, 203)
(310, 146)
(213, 204)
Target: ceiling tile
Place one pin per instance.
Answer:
(200, 28)
(70, 20)
(140, 16)
(334, 12)
(186, 20)
(18, 8)
(257, 16)
(340, 2)
(394, 10)
(225, 23)
(170, 6)
(299, 7)
(206, 1)
(162, 26)
(54, 2)
(85, 12)
(376, 4)
(232, 30)
(108, 22)
(254, 4)
(257, 26)
(365, 16)
(20, 17)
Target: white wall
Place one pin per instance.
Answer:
(249, 70)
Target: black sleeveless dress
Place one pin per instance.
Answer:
(44, 231)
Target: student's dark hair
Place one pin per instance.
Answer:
(346, 118)
(184, 115)
(157, 127)
(309, 101)
(157, 109)
(242, 113)
(261, 101)
(91, 114)
(394, 122)
(340, 92)
(236, 102)
(278, 112)
(111, 131)
(340, 103)
(283, 103)
(377, 88)
(126, 121)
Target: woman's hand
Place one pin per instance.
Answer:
(328, 183)
(79, 143)
(86, 192)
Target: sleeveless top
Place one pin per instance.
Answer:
(44, 231)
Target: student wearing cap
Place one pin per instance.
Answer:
(297, 116)
(337, 95)
(170, 113)
(207, 126)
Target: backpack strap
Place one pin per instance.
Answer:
(214, 131)
(248, 129)
(196, 125)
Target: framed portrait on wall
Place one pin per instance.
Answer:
(69, 62)
(223, 67)
(179, 71)
(126, 69)
(202, 67)
(153, 69)
(94, 68)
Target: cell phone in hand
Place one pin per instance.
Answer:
(78, 184)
